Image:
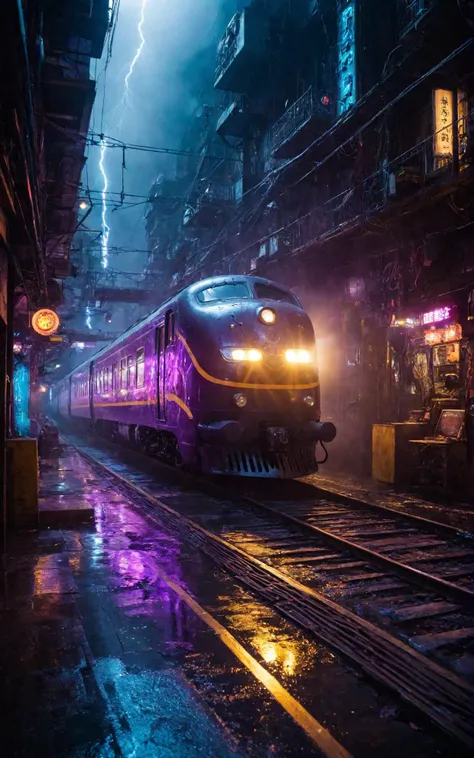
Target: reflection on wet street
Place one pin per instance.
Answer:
(101, 656)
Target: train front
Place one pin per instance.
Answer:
(256, 395)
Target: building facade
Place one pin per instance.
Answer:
(46, 96)
(348, 133)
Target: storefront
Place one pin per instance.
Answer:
(427, 365)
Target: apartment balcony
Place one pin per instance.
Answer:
(303, 122)
(241, 47)
(217, 200)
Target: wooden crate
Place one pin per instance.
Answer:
(22, 483)
(392, 456)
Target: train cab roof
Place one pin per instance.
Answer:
(223, 290)
(236, 288)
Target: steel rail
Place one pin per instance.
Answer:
(440, 694)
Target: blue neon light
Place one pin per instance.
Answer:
(21, 397)
(346, 69)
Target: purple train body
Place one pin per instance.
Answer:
(221, 378)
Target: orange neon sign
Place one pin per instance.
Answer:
(45, 322)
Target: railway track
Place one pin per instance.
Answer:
(328, 568)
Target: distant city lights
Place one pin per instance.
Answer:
(409, 323)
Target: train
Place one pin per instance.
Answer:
(221, 378)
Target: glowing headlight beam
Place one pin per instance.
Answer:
(298, 356)
(242, 354)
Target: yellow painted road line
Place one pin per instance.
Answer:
(315, 731)
(241, 385)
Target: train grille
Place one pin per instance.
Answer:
(283, 465)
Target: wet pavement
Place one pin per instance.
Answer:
(108, 647)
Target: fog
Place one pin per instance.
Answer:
(171, 77)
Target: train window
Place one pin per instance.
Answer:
(115, 377)
(140, 367)
(170, 328)
(123, 374)
(228, 291)
(129, 371)
(269, 292)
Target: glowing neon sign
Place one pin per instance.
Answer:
(346, 68)
(439, 314)
(440, 336)
(45, 322)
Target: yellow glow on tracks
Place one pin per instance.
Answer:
(317, 733)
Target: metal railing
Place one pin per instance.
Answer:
(217, 194)
(309, 105)
(414, 168)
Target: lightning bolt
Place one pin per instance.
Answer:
(105, 226)
(103, 144)
(139, 50)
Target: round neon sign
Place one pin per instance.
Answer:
(45, 322)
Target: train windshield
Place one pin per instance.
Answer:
(269, 292)
(228, 291)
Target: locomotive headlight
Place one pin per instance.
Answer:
(309, 401)
(240, 400)
(267, 316)
(239, 354)
(298, 356)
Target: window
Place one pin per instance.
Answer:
(269, 292)
(227, 291)
(169, 328)
(141, 367)
(129, 371)
(123, 374)
(115, 377)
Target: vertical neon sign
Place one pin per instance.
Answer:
(21, 395)
(346, 68)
